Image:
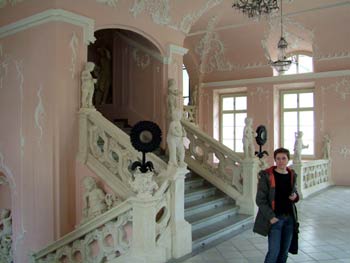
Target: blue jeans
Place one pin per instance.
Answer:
(280, 237)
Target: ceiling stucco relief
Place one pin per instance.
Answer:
(3, 3)
(141, 59)
(336, 55)
(159, 10)
(39, 115)
(189, 19)
(73, 44)
(211, 51)
(111, 3)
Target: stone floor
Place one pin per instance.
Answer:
(324, 236)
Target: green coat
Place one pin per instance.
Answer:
(265, 199)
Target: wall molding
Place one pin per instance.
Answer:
(52, 15)
(285, 78)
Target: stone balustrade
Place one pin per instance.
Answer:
(222, 167)
(313, 176)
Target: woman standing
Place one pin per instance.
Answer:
(275, 198)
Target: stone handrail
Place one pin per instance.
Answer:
(107, 231)
(313, 176)
(107, 151)
(221, 166)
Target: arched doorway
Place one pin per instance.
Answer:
(129, 72)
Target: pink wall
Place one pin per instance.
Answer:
(332, 101)
(39, 101)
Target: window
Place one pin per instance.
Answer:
(233, 111)
(185, 86)
(297, 115)
(303, 64)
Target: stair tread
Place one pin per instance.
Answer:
(211, 199)
(219, 226)
(215, 212)
(198, 189)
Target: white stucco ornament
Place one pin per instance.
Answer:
(143, 184)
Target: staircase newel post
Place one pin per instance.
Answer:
(250, 180)
(144, 211)
(83, 134)
(181, 231)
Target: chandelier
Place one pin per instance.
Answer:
(282, 64)
(256, 8)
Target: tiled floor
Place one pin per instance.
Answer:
(324, 236)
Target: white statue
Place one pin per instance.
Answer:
(194, 96)
(173, 95)
(174, 139)
(326, 147)
(6, 236)
(87, 85)
(248, 139)
(94, 199)
(299, 146)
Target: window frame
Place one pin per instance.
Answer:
(234, 111)
(183, 87)
(298, 110)
(295, 57)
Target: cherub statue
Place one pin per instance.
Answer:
(5, 223)
(87, 85)
(174, 139)
(173, 95)
(326, 147)
(94, 199)
(248, 138)
(298, 146)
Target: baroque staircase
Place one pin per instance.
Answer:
(213, 215)
(160, 208)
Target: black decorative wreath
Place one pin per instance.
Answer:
(261, 135)
(145, 136)
(261, 138)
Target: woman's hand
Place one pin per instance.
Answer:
(293, 196)
(273, 220)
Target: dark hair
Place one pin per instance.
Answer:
(281, 150)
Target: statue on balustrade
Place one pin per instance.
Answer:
(248, 139)
(194, 96)
(175, 142)
(95, 200)
(173, 96)
(87, 85)
(298, 146)
(6, 236)
(326, 147)
(103, 71)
